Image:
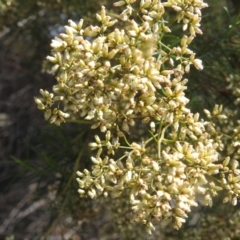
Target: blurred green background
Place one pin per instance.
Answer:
(38, 161)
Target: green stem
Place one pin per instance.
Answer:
(63, 191)
(160, 141)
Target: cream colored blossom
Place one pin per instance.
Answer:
(128, 82)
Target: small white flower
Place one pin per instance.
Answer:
(198, 64)
(56, 43)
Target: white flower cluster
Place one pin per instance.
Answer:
(128, 82)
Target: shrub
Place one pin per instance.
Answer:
(155, 158)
